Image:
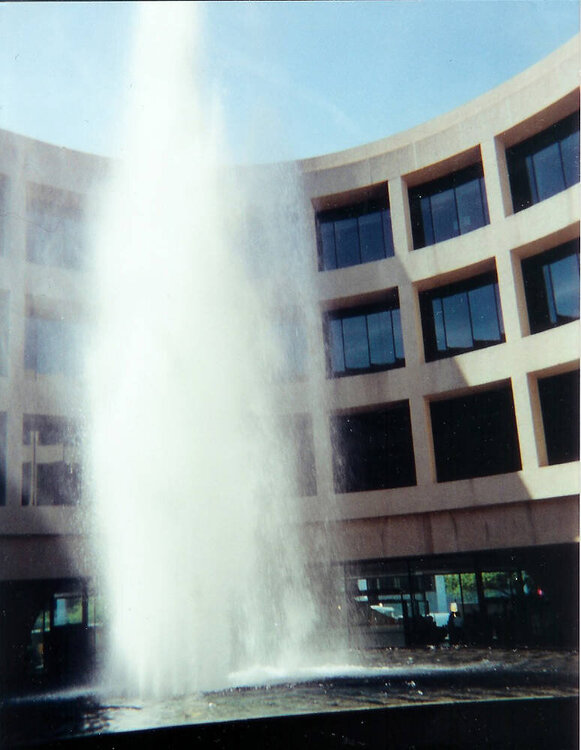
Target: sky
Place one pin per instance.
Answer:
(295, 79)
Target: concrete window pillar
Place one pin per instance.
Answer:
(528, 423)
(400, 216)
(512, 297)
(422, 441)
(537, 420)
(496, 179)
(323, 454)
(411, 325)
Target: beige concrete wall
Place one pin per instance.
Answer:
(412, 520)
(517, 524)
(39, 542)
(534, 506)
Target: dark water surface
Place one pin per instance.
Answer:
(381, 679)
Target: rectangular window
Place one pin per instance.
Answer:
(449, 206)
(545, 164)
(461, 317)
(55, 228)
(373, 450)
(353, 235)
(51, 473)
(68, 610)
(551, 282)
(475, 435)
(559, 396)
(367, 339)
(51, 346)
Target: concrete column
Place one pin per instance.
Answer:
(537, 420)
(512, 298)
(422, 441)
(323, 455)
(400, 216)
(411, 325)
(525, 423)
(496, 179)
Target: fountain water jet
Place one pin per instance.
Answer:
(202, 561)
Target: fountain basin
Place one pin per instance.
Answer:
(397, 698)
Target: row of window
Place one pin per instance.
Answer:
(51, 471)
(52, 474)
(51, 345)
(441, 209)
(456, 204)
(55, 230)
(55, 226)
(365, 339)
(474, 435)
(456, 318)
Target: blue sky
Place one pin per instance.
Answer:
(295, 78)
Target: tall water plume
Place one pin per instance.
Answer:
(197, 523)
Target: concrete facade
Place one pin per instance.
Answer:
(538, 504)
(39, 541)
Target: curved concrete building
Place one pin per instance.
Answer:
(446, 350)
(446, 263)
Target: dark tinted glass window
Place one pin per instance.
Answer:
(551, 281)
(461, 317)
(54, 228)
(353, 235)
(57, 483)
(365, 339)
(444, 215)
(569, 146)
(475, 435)
(51, 346)
(452, 205)
(559, 396)
(373, 451)
(51, 475)
(472, 205)
(545, 164)
(49, 430)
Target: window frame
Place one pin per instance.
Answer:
(428, 190)
(472, 430)
(353, 211)
(535, 287)
(560, 424)
(38, 346)
(389, 304)
(393, 462)
(56, 481)
(61, 214)
(426, 298)
(525, 193)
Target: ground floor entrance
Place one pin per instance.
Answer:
(51, 631)
(507, 597)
